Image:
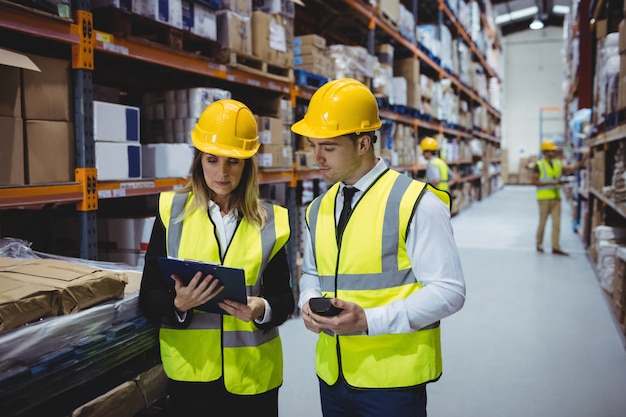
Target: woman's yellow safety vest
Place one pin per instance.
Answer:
(443, 173)
(549, 172)
(372, 269)
(215, 345)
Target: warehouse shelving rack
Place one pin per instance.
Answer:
(85, 41)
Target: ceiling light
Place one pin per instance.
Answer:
(536, 24)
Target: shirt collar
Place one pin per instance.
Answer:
(368, 179)
(214, 209)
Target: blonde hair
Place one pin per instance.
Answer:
(244, 198)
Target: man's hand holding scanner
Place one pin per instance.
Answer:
(197, 292)
(350, 319)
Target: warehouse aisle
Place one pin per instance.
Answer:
(535, 338)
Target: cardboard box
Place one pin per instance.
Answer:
(12, 154)
(270, 130)
(48, 94)
(242, 7)
(275, 156)
(117, 160)
(234, 31)
(10, 99)
(269, 39)
(311, 39)
(50, 151)
(31, 289)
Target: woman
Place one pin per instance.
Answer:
(233, 361)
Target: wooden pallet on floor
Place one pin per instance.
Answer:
(255, 65)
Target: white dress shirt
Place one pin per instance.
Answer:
(435, 262)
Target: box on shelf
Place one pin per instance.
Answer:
(166, 160)
(269, 39)
(199, 19)
(311, 39)
(115, 122)
(10, 99)
(242, 7)
(124, 239)
(118, 160)
(12, 154)
(50, 151)
(275, 156)
(286, 8)
(47, 94)
(270, 130)
(234, 31)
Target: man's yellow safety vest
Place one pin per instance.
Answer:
(549, 172)
(371, 267)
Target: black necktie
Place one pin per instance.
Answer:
(348, 193)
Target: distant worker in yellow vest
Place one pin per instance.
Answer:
(438, 173)
(228, 362)
(391, 269)
(547, 176)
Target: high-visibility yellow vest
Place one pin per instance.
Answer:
(372, 268)
(443, 173)
(549, 172)
(214, 345)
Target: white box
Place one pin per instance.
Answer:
(165, 11)
(199, 20)
(115, 122)
(167, 160)
(118, 160)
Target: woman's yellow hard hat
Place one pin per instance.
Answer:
(226, 128)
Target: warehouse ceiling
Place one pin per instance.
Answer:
(514, 16)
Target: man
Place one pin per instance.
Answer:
(393, 272)
(438, 173)
(547, 177)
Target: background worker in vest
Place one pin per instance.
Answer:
(547, 176)
(216, 362)
(393, 271)
(438, 173)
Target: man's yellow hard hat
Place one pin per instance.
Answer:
(548, 145)
(428, 144)
(338, 108)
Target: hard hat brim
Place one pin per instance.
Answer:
(222, 150)
(302, 128)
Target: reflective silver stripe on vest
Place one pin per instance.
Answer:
(313, 213)
(390, 276)
(175, 228)
(235, 339)
(429, 327)
(201, 321)
(268, 237)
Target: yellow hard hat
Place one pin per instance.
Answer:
(428, 144)
(226, 128)
(548, 145)
(338, 108)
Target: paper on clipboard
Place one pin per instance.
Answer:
(233, 279)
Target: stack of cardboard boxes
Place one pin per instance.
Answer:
(36, 120)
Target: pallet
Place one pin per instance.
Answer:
(255, 65)
(308, 79)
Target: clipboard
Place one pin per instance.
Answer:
(233, 279)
